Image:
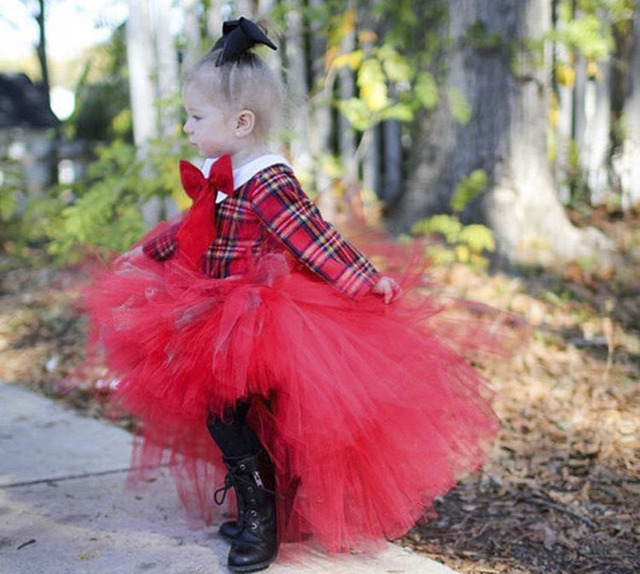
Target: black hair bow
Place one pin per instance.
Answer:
(238, 36)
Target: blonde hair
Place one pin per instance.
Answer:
(246, 83)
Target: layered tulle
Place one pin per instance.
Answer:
(368, 414)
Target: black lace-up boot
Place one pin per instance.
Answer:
(255, 544)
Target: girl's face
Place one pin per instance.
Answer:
(210, 128)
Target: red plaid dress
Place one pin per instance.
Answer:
(272, 213)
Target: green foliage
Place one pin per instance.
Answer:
(12, 186)
(356, 111)
(8, 203)
(383, 71)
(378, 72)
(12, 182)
(101, 213)
(468, 188)
(426, 90)
(587, 27)
(621, 15)
(373, 86)
(586, 35)
(448, 226)
(590, 31)
(97, 213)
(102, 95)
(464, 243)
(477, 238)
(391, 62)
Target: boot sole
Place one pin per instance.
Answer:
(253, 567)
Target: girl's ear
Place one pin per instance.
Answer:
(245, 123)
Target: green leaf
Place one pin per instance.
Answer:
(395, 65)
(373, 87)
(588, 36)
(446, 225)
(426, 90)
(468, 188)
(478, 238)
(351, 60)
(460, 107)
(357, 113)
(400, 112)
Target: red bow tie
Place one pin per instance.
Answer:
(199, 229)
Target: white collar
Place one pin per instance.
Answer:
(244, 173)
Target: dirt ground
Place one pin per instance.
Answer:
(560, 492)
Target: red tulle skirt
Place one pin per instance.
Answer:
(366, 412)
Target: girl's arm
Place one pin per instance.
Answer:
(288, 214)
(164, 245)
(133, 253)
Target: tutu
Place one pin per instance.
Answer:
(367, 414)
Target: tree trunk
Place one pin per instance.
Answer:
(217, 13)
(346, 90)
(371, 167)
(144, 86)
(193, 46)
(627, 165)
(140, 60)
(167, 69)
(391, 185)
(506, 135)
(42, 50)
(298, 111)
(583, 121)
(320, 117)
(591, 129)
(563, 127)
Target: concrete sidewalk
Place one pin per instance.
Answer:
(64, 509)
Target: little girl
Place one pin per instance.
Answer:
(337, 411)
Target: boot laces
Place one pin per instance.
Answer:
(235, 478)
(220, 494)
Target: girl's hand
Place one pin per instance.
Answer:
(387, 288)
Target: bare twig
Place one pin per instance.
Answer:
(558, 507)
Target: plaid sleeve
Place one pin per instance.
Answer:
(289, 215)
(164, 245)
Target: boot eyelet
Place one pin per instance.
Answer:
(253, 526)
